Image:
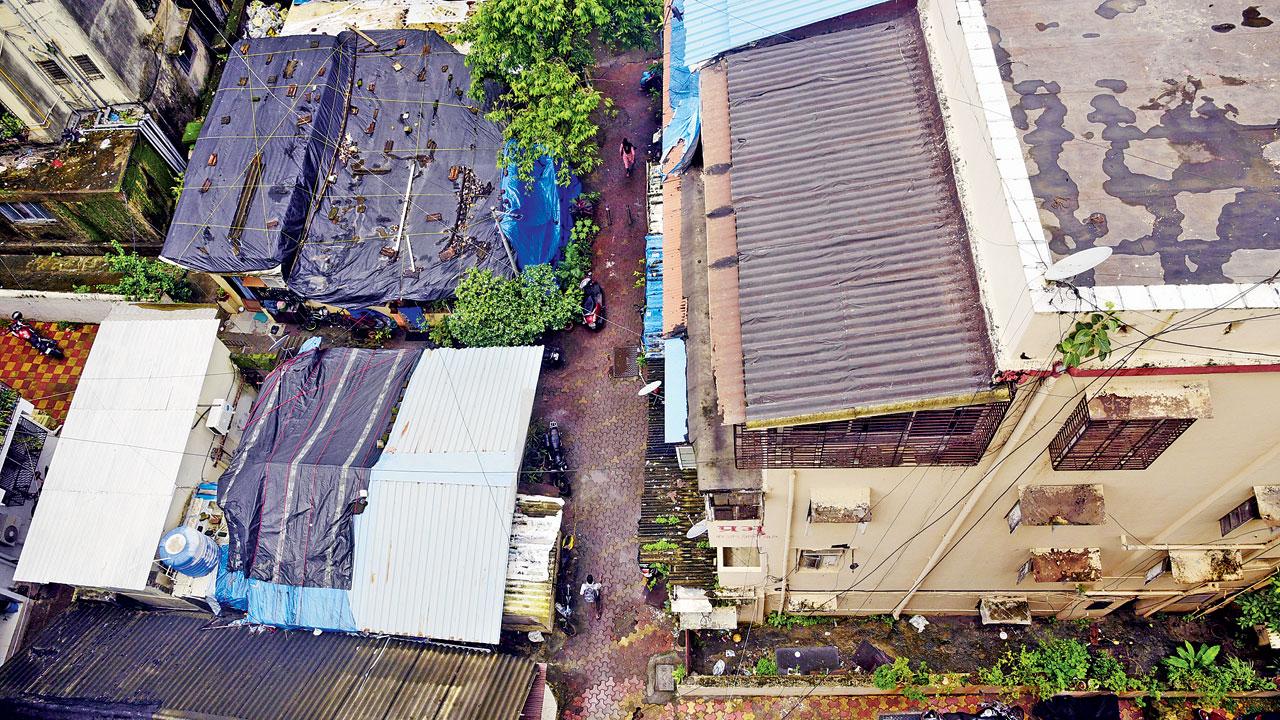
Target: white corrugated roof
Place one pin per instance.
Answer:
(112, 478)
(431, 548)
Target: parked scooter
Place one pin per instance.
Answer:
(557, 464)
(23, 330)
(593, 314)
(988, 711)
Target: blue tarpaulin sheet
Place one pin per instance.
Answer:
(289, 606)
(716, 26)
(284, 606)
(537, 217)
(681, 134)
(675, 420)
(653, 295)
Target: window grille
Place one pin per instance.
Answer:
(88, 67)
(54, 71)
(1241, 514)
(955, 436)
(1087, 444)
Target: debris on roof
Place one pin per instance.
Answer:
(1195, 567)
(1078, 565)
(1062, 505)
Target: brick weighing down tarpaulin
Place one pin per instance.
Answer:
(305, 455)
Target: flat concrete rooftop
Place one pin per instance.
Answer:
(1150, 127)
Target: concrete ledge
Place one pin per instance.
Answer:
(51, 306)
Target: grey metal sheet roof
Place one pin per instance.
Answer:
(856, 280)
(99, 659)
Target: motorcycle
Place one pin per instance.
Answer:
(566, 592)
(593, 314)
(557, 465)
(987, 711)
(23, 330)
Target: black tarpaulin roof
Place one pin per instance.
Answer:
(305, 456)
(356, 164)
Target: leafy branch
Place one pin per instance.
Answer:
(1089, 338)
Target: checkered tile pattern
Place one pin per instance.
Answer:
(44, 382)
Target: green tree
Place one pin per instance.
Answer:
(143, 278)
(632, 23)
(547, 110)
(509, 36)
(496, 311)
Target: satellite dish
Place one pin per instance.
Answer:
(698, 528)
(650, 389)
(1074, 264)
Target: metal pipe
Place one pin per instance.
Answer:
(1124, 543)
(1009, 447)
(786, 538)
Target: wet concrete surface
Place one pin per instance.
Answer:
(1148, 128)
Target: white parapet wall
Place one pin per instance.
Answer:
(55, 306)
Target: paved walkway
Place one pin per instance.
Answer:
(600, 673)
(44, 382)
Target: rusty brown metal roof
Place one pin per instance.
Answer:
(857, 287)
(101, 660)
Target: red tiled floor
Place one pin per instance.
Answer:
(44, 382)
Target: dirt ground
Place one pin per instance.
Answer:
(963, 644)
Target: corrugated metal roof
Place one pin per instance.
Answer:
(528, 603)
(431, 549)
(856, 279)
(714, 26)
(119, 454)
(99, 658)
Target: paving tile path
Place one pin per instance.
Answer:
(600, 673)
(46, 383)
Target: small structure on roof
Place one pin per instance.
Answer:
(330, 17)
(1195, 567)
(70, 198)
(152, 416)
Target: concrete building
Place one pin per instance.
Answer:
(879, 255)
(61, 58)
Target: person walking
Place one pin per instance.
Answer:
(592, 593)
(628, 154)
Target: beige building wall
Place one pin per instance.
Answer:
(131, 59)
(1207, 472)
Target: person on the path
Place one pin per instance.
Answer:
(628, 153)
(592, 593)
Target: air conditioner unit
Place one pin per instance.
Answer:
(685, 457)
(9, 530)
(220, 416)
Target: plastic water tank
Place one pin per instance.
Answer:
(189, 551)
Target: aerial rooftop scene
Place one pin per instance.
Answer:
(640, 359)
